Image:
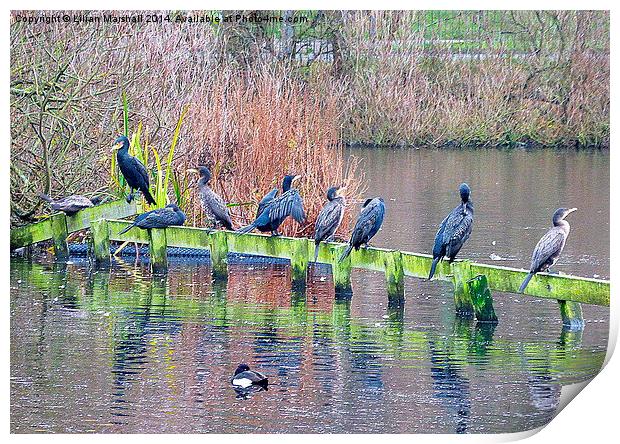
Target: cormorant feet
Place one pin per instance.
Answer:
(129, 198)
(275, 234)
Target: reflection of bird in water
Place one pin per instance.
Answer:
(451, 386)
(248, 392)
(550, 246)
(454, 230)
(70, 204)
(329, 218)
(367, 225)
(244, 377)
(133, 171)
(160, 218)
(273, 211)
(213, 204)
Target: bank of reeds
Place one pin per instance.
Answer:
(254, 114)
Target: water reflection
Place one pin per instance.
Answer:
(150, 351)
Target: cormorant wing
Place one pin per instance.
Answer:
(368, 223)
(159, 218)
(141, 171)
(265, 201)
(218, 207)
(329, 218)
(288, 204)
(548, 245)
(456, 224)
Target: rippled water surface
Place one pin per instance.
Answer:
(120, 350)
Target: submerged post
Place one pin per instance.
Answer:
(341, 271)
(461, 274)
(481, 299)
(299, 264)
(394, 278)
(218, 249)
(101, 240)
(572, 316)
(59, 235)
(157, 249)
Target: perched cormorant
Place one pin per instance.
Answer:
(244, 377)
(70, 204)
(160, 218)
(329, 218)
(367, 225)
(550, 246)
(289, 203)
(214, 205)
(133, 171)
(454, 230)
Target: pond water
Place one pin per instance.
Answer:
(122, 351)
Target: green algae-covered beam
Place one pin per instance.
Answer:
(543, 285)
(43, 230)
(505, 279)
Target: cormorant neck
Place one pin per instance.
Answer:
(562, 224)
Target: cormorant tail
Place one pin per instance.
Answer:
(148, 197)
(246, 229)
(346, 253)
(433, 266)
(525, 282)
(316, 250)
(125, 230)
(45, 197)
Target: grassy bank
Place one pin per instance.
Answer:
(265, 98)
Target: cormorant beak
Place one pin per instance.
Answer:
(296, 178)
(341, 190)
(570, 211)
(192, 170)
(117, 146)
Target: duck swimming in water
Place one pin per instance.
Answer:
(244, 377)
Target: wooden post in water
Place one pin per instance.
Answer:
(219, 253)
(481, 299)
(101, 241)
(157, 249)
(461, 274)
(59, 235)
(394, 278)
(341, 271)
(572, 316)
(299, 264)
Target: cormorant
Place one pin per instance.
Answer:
(133, 171)
(367, 225)
(454, 230)
(244, 377)
(70, 204)
(214, 205)
(289, 203)
(329, 218)
(160, 218)
(550, 246)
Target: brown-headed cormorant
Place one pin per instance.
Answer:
(70, 204)
(213, 204)
(550, 246)
(329, 218)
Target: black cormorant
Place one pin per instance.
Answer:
(70, 204)
(160, 218)
(214, 205)
(454, 230)
(132, 169)
(289, 203)
(367, 225)
(244, 377)
(329, 218)
(550, 246)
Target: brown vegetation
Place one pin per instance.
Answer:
(261, 106)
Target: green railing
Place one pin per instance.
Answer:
(472, 281)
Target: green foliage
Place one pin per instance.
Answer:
(161, 174)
